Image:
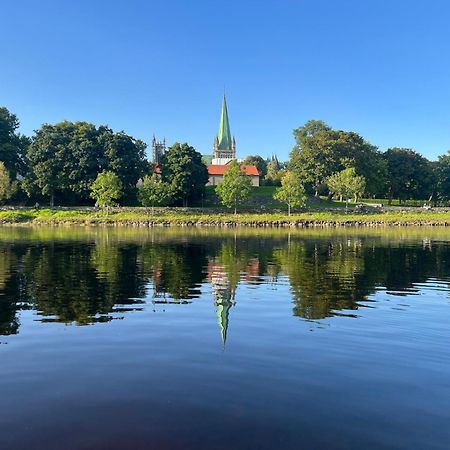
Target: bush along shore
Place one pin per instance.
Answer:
(141, 217)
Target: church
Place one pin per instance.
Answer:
(224, 151)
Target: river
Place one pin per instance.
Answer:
(220, 339)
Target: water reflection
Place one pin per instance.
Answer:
(84, 277)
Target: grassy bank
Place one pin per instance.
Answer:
(143, 218)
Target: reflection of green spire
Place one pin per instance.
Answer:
(223, 309)
(224, 136)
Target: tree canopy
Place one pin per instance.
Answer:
(346, 184)
(184, 172)
(321, 151)
(12, 144)
(235, 187)
(291, 192)
(7, 186)
(410, 174)
(154, 191)
(61, 161)
(442, 170)
(65, 159)
(106, 189)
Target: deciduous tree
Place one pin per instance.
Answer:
(154, 192)
(291, 192)
(65, 159)
(106, 189)
(442, 169)
(321, 151)
(410, 175)
(12, 144)
(346, 184)
(7, 186)
(185, 173)
(235, 187)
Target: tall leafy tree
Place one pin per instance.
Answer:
(291, 192)
(47, 157)
(7, 186)
(65, 159)
(235, 187)
(321, 151)
(410, 175)
(312, 158)
(185, 173)
(442, 170)
(125, 156)
(12, 144)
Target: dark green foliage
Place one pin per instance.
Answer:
(410, 175)
(185, 173)
(125, 156)
(65, 159)
(321, 151)
(7, 186)
(442, 171)
(274, 173)
(12, 144)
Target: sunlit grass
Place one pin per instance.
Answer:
(187, 217)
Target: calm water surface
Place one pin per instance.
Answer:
(200, 339)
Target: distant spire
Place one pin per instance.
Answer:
(224, 135)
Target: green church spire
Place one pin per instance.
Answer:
(222, 315)
(224, 136)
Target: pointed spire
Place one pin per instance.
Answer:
(224, 135)
(223, 309)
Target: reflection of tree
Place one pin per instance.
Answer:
(323, 276)
(175, 269)
(9, 323)
(63, 283)
(117, 272)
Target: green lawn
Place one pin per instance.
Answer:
(140, 216)
(262, 198)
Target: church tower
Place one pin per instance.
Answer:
(224, 148)
(158, 150)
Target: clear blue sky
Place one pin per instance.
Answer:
(377, 67)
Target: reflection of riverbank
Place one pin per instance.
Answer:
(84, 276)
(173, 234)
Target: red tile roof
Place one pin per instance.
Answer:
(220, 170)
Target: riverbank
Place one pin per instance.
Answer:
(144, 218)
